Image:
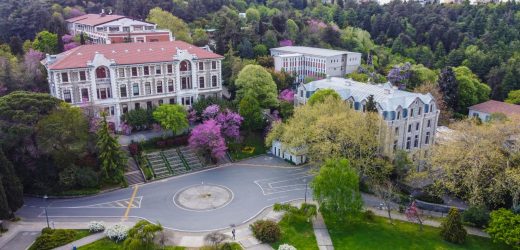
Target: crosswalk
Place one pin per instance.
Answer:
(136, 203)
(293, 182)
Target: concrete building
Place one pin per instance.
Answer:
(484, 110)
(411, 118)
(314, 62)
(107, 29)
(296, 156)
(116, 78)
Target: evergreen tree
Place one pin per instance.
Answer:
(250, 110)
(371, 104)
(82, 38)
(16, 45)
(449, 88)
(452, 229)
(5, 212)
(112, 158)
(11, 184)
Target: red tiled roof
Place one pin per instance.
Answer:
(94, 19)
(492, 106)
(128, 53)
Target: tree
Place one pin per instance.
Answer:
(388, 193)
(214, 239)
(245, 49)
(172, 117)
(200, 37)
(166, 20)
(513, 97)
(207, 140)
(250, 110)
(503, 227)
(46, 42)
(229, 122)
(111, 157)
(255, 81)
(321, 95)
(15, 43)
(449, 88)
(336, 189)
(142, 236)
(471, 90)
(371, 104)
(414, 214)
(433, 89)
(11, 189)
(452, 229)
(260, 50)
(5, 211)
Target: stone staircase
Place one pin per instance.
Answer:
(174, 159)
(191, 158)
(133, 174)
(158, 164)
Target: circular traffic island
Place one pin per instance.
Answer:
(203, 197)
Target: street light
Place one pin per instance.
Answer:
(45, 197)
(306, 186)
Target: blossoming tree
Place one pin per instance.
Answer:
(207, 140)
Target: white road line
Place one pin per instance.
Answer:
(280, 197)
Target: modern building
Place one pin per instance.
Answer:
(484, 110)
(116, 78)
(314, 62)
(411, 118)
(108, 28)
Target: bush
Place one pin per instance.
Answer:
(96, 226)
(226, 246)
(477, 216)
(86, 178)
(117, 232)
(368, 215)
(266, 231)
(503, 227)
(286, 247)
(52, 238)
(134, 148)
(452, 229)
(428, 195)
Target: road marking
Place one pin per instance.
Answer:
(130, 203)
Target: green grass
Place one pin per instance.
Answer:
(381, 235)
(58, 237)
(253, 139)
(296, 231)
(107, 244)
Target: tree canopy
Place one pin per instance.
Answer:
(255, 81)
(321, 95)
(172, 117)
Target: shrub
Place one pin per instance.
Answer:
(477, 216)
(226, 246)
(368, 215)
(503, 227)
(266, 231)
(96, 226)
(134, 148)
(286, 247)
(452, 229)
(117, 232)
(52, 238)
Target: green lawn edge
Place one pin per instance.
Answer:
(297, 232)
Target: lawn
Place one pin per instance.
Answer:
(58, 237)
(379, 234)
(253, 140)
(296, 231)
(107, 244)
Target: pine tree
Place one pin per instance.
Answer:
(11, 184)
(5, 212)
(82, 39)
(112, 158)
(371, 104)
(452, 229)
(449, 88)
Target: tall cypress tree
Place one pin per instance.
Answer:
(449, 88)
(112, 158)
(371, 104)
(5, 212)
(11, 184)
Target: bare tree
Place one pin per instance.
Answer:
(214, 239)
(386, 191)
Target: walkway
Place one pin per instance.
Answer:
(133, 174)
(83, 241)
(322, 233)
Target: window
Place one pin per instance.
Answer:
(82, 76)
(301, 93)
(159, 87)
(101, 73)
(135, 89)
(64, 77)
(187, 100)
(146, 70)
(122, 89)
(416, 126)
(398, 115)
(121, 72)
(213, 65)
(419, 111)
(214, 81)
(408, 140)
(201, 82)
(201, 65)
(416, 141)
(411, 112)
(185, 66)
(148, 105)
(134, 71)
(395, 145)
(125, 108)
(67, 97)
(396, 131)
(428, 123)
(170, 85)
(169, 68)
(103, 93)
(84, 95)
(126, 29)
(427, 140)
(137, 105)
(158, 69)
(364, 108)
(161, 102)
(185, 83)
(173, 101)
(409, 128)
(148, 88)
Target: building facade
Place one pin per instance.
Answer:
(106, 29)
(117, 78)
(484, 110)
(411, 118)
(314, 62)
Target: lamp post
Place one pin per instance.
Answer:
(306, 186)
(45, 197)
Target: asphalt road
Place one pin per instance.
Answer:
(256, 184)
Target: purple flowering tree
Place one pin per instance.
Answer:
(192, 116)
(74, 13)
(207, 140)
(399, 75)
(210, 112)
(316, 25)
(286, 42)
(70, 46)
(31, 62)
(286, 95)
(229, 122)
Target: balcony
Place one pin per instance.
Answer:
(103, 81)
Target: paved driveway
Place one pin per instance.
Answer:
(255, 184)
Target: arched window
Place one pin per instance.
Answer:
(101, 72)
(185, 66)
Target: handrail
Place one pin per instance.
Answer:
(166, 162)
(181, 155)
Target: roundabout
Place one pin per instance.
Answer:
(203, 197)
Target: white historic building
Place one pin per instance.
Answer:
(411, 118)
(116, 78)
(314, 62)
